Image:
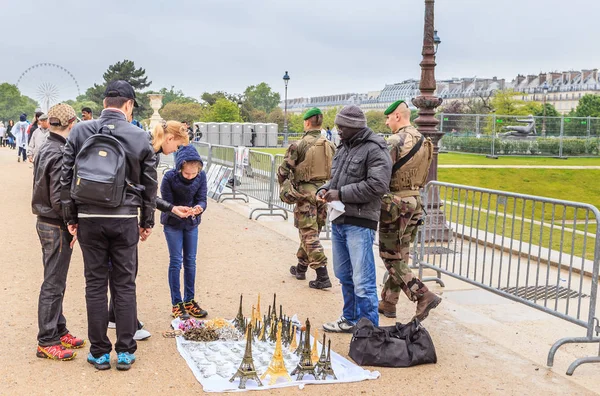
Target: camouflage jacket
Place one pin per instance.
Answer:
(294, 156)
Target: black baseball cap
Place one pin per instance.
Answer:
(120, 88)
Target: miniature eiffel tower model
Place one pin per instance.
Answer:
(326, 368)
(239, 321)
(284, 332)
(253, 317)
(258, 315)
(263, 335)
(277, 368)
(305, 365)
(293, 343)
(273, 331)
(257, 328)
(246, 370)
(274, 311)
(298, 350)
(323, 358)
(314, 355)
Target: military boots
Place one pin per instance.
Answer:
(299, 271)
(426, 303)
(322, 281)
(387, 309)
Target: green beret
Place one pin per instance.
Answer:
(312, 112)
(393, 107)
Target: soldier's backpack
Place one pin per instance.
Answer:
(317, 161)
(100, 171)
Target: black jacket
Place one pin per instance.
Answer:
(361, 171)
(141, 160)
(45, 199)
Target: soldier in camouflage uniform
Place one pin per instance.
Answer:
(402, 212)
(306, 167)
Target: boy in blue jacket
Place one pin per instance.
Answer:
(185, 185)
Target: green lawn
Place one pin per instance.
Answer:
(579, 185)
(473, 159)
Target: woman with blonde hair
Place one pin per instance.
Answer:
(166, 138)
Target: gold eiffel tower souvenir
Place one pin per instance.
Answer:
(277, 368)
(246, 370)
(314, 355)
(294, 343)
(298, 351)
(258, 315)
(305, 365)
(326, 369)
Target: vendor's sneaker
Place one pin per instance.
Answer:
(141, 335)
(194, 309)
(101, 363)
(125, 360)
(340, 326)
(70, 341)
(55, 352)
(179, 311)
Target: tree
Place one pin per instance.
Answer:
(174, 96)
(211, 98)
(224, 111)
(261, 97)
(184, 111)
(276, 117)
(13, 104)
(376, 121)
(505, 103)
(454, 107)
(550, 111)
(82, 102)
(256, 116)
(124, 70)
(589, 106)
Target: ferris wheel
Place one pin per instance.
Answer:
(48, 83)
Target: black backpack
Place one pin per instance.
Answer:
(100, 171)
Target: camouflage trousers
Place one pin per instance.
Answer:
(309, 218)
(394, 249)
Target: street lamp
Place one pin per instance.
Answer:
(286, 80)
(545, 90)
(436, 41)
(427, 102)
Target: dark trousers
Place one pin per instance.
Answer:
(116, 239)
(111, 305)
(56, 254)
(22, 153)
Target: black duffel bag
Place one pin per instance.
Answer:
(391, 346)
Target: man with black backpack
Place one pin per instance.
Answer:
(108, 175)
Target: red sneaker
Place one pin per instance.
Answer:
(70, 341)
(55, 352)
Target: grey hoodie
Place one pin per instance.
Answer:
(361, 171)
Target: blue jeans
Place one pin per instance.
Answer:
(183, 245)
(354, 266)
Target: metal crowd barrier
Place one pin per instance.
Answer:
(541, 252)
(258, 182)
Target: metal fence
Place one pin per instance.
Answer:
(489, 134)
(541, 252)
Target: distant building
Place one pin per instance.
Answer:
(564, 91)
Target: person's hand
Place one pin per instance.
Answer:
(30, 159)
(321, 195)
(72, 229)
(73, 241)
(197, 210)
(332, 195)
(181, 211)
(145, 233)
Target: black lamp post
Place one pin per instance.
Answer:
(286, 80)
(545, 89)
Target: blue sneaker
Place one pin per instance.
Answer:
(101, 363)
(125, 360)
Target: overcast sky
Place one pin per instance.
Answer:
(328, 46)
